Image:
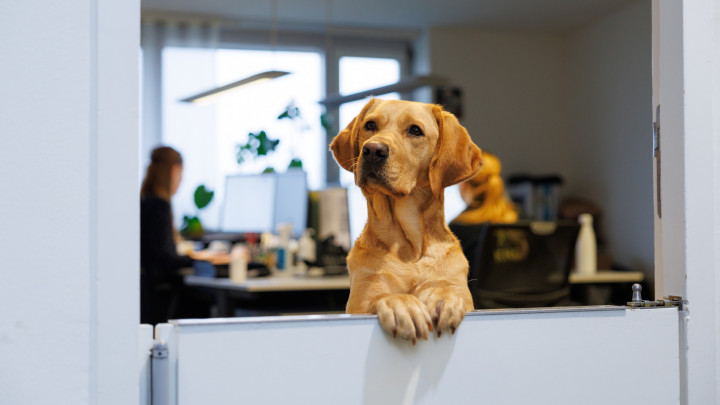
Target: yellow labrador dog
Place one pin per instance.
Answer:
(406, 266)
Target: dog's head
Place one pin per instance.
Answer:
(395, 146)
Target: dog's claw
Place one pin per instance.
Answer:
(453, 330)
(413, 341)
(430, 327)
(439, 333)
(394, 332)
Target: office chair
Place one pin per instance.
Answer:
(519, 265)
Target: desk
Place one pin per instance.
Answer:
(253, 289)
(595, 289)
(604, 287)
(607, 276)
(266, 284)
(269, 284)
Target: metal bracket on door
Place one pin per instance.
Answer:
(160, 375)
(656, 155)
(638, 302)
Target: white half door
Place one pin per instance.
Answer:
(593, 355)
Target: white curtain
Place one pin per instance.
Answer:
(166, 45)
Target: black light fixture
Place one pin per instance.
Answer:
(212, 93)
(407, 84)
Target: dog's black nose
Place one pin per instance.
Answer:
(375, 152)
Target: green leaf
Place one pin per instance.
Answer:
(295, 164)
(191, 227)
(269, 170)
(203, 197)
(326, 121)
(265, 144)
(291, 112)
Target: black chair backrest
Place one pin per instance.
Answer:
(519, 265)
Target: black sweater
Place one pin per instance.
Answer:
(158, 256)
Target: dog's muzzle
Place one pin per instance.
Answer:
(375, 154)
(374, 157)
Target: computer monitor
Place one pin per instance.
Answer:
(259, 203)
(249, 203)
(291, 201)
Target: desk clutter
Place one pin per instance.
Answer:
(271, 224)
(268, 254)
(271, 274)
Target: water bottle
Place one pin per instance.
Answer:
(238, 263)
(586, 246)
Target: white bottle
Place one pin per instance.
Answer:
(586, 246)
(306, 251)
(238, 263)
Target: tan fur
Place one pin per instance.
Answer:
(406, 266)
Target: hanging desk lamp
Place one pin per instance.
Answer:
(407, 84)
(210, 94)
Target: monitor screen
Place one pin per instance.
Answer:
(259, 203)
(291, 201)
(249, 203)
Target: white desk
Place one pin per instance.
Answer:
(601, 287)
(270, 284)
(607, 276)
(258, 289)
(267, 284)
(226, 289)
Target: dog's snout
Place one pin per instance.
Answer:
(375, 152)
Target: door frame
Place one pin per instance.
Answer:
(688, 234)
(686, 84)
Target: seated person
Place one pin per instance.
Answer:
(485, 196)
(162, 293)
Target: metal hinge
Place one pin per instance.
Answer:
(657, 155)
(160, 374)
(638, 302)
(159, 350)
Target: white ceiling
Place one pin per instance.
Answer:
(555, 15)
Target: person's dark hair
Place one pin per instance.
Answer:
(157, 177)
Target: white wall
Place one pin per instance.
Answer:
(577, 103)
(610, 134)
(514, 90)
(68, 170)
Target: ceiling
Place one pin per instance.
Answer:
(546, 15)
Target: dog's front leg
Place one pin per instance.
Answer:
(403, 315)
(446, 303)
(400, 314)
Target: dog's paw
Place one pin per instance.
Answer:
(446, 308)
(405, 316)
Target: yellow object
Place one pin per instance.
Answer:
(485, 196)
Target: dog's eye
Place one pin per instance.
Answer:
(371, 126)
(415, 131)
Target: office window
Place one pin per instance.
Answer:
(208, 134)
(183, 58)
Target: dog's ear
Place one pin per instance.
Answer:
(345, 146)
(456, 157)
